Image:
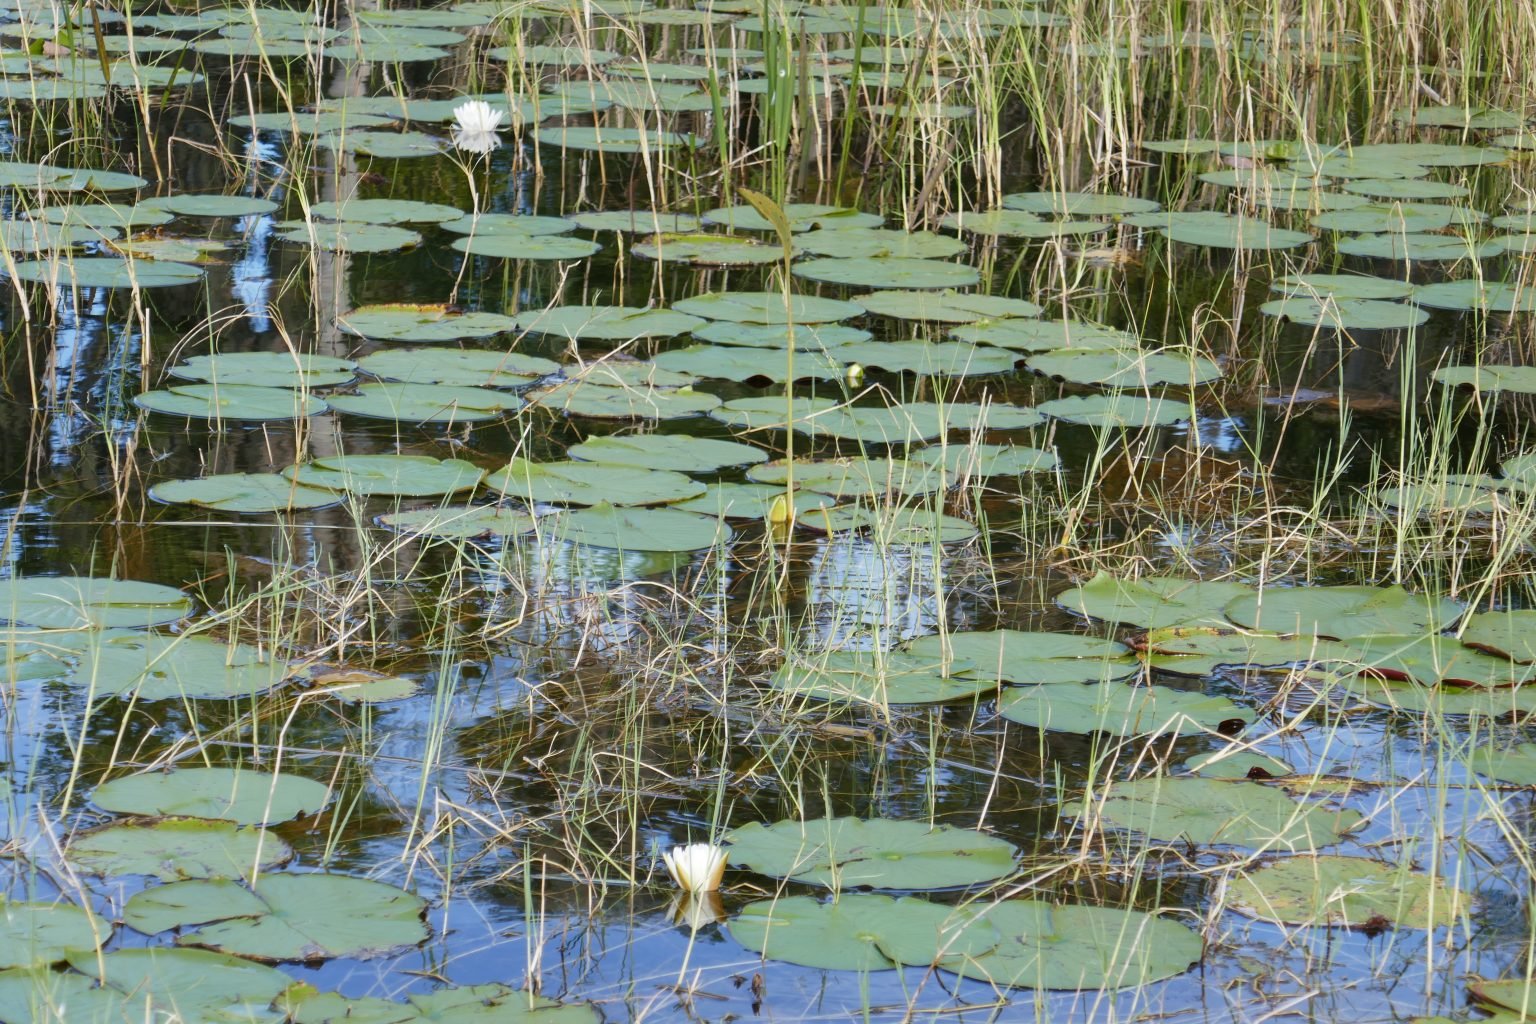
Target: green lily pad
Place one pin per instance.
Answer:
(1413, 697)
(1216, 811)
(1419, 248)
(605, 525)
(1197, 651)
(1345, 314)
(472, 1004)
(1079, 204)
(1454, 492)
(1224, 231)
(230, 402)
(39, 934)
(1125, 368)
(73, 602)
(854, 932)
(407, 476)
(625, 373)
(732, 362)
(1511, 994)
(1434, 154)
(213, 205)
(526, 247)
(773, 413)
(176, 848)
(1483, 296)
(393, 321)
(945, 307)
(614, 140)
(116, 216)
(191, 984)
(1153, 602)
(590, 483)
(624, 403)
(1343, 612)
(887, 678)
(854, 477)
(801, 216)
(1342, 286)
(465, 367)
(965, 461)
(267, 369)
(1489, 377)
(32, 236)
(706, 250)
(639, 222)
(1405, 188)
(427, 403)
(1345, 891)
(678, 452)
(993, 223)
(929, 359)
(460, 522)
(1435, 660)
(107, 272)
(608, 323)
(243, 796)
(767, 308)
(147, 666)
(243, 492)
(1119, 409)
(880, 243)
(1510, 633)
(1120, 710)
(1045, 335)
(520, 225)
(1076, 948)
(806, 337)
(1405, 218)
(349, 237)
(1514, 765)
(385, 211)
(1029, 658)
(284, 917)
(1463, 117)
(882, 853)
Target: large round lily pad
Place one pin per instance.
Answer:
(409, 476)
(230, 402)
(590, 483)
(427, 403)
(1153, 602)
(881, 679)
(107, 272)
(244, 492)
(1345, 314)
(871, 243)
(801, 216)
(1347, 891)
(806, 337)
(1225, 231)
(946, 306)
(267, 369)
(579, 398)
(70, 602)
(1015, 656)
(526, 247)
(176, 848)
(1197, 651)
(398, 321)
(967, 461)
(851, 933)
(153, 983)
(641, 529)
(1490, 377)
(1342, 612)
(284, 917)
(679, 452)
(607, 323)
(1510, 633)
(461, 367)
(767, 308)
(1436, 660)
(882, 853)
(244, 796)
(1216, 811)
(148, 666)
(1121, 710)
(849, 478)
(1121, 409)
(708, 250)
(38, 934)
(888, 272)
(385, 211)
(460, 522)
(613, 140)
(1126, 368)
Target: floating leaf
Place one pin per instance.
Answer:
(928, 359)
(613, 140)
(590, 483)
(472, 1004)
(1483, 296)
(1345, 314)
(1436, 661)
(946, 306)
(622, 403)
(106, 272)
(801, 216)
(72, 602)
(284, 917)
(1224, 231)
(1415, 248)
(806, 337)
(176, 848)
(608, 323)
(1342, 286)
(767, 308)
(1152, 602)
(401, 321)
(641, 529)
(349, 237)
(1343, 612)
(526, 247)
(461, 522)
(1216, 811)
(267, 369)
(882, 853)
(462, 367)
(1347, 891)
(244, 492)
(411, 476)
(1119, 409)
(1237, 763)
(147, 666)
(965, 461)
(427, 403)
(730, 362)
(880, 679)
(1026, 658)
(39, 934)
(244, 796)
(230, 402)
(1126, 368)
(667, 451)
(1490, 377)
(1079, 204)
(1510, 633)
(854, 477)
(881, 243)
(708, 250)
(851, 933)
(190, 984)
(1195, 651)
(385, 211)
(213, 205)
(1120, 710)
(888, 272)
(1045, 335)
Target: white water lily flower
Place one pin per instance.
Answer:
(476, 125)
(696, 868)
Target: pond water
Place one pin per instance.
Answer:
(1134, 621)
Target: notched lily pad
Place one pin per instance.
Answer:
(72, 602)
(882, 853)
(1346, 891)
(244, 796)
(177, 848)
(880, 678)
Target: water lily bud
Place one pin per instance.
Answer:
(696, 868)
(781, 511)
(854, 375)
